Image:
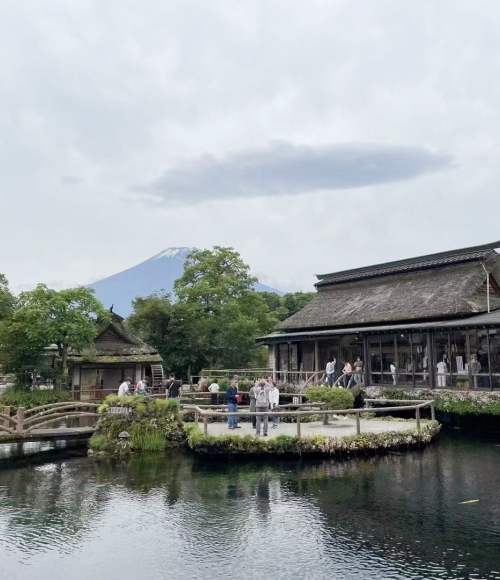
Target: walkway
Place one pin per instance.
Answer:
(339, 428)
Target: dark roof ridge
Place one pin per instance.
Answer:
(408, 264)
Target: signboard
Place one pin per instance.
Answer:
(296, 400)
(118, 410)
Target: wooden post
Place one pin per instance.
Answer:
(433, 411)
(20, 420)
(298, 426)
(325, 419)
(6, 422)
(358, 424)
(417, 417)
(196, 416)
(316, 356)
(205, 425)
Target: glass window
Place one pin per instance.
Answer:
(404, 364)
(495, 357)
(375, 360)
(479, 359)
(389, 370)
(420, 352)
(459, 376)
(442, 359)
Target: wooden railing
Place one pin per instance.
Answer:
(416, 406)
(27, 420)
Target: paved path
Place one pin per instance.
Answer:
(339, 428)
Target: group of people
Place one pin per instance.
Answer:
(347, 375)
(172, 387)
(264, 396)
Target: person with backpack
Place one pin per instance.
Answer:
(173, 388)
(262, 405)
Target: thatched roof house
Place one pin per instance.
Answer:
(367, 312)
(116, 354)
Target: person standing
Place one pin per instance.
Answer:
(124, 387)
(442, 369)
(214, 389)
(274, 401)
(261, 406)
(330, 372)
(251, 395)
(140, 387)
(393, 373)
(232, 405)
(173, 388)
(346, 373)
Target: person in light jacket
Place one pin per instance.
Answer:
(251, 394)
(274, 401)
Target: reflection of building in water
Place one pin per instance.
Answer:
(442, 309)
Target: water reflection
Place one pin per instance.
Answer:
(393, 517)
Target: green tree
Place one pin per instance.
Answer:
(6, 298)
(211, 278)
(66, 318)
(295, 301)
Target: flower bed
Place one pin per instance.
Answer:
(366, 443)
(460, 402)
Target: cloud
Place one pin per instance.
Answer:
(71, 180)
(287, 169)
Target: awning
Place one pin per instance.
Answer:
(485, 320)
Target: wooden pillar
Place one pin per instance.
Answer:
(205, 425)
(431, 360)
(417, 417)
(6, 422)
(298, 426)
(20, 420)
(316, 356)
(366, 356)
(433, 411)
(489, 358)
(275, 360)
(358, 424)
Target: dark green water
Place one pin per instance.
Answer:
(180, 517)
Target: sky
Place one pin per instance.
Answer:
(310, 136)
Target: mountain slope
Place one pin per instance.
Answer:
(157, 273)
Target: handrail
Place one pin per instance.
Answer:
(61, 405)
(357, 412)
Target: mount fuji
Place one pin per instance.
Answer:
(157, 273)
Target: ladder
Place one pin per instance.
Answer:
(156, 376)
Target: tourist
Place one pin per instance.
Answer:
(261, 406)
(475, 367)
(214, 389)
(274, 401)
(358, 371)
(173, 388)
(393, 373)
(346, 373)
(124, 387)
(202, 384)
(330, 372)
(232, 406)
(140, 388)
(442, 369)
(251, 395)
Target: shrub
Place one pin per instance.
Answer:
(333, 397)
(14, 398)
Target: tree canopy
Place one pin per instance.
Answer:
(6, 298)
(43, 316)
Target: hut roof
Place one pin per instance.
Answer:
(403, 292)
(114, 340)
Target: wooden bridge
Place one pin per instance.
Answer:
(33, 424)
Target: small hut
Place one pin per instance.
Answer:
(116, 355)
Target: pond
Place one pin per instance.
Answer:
(182, 517)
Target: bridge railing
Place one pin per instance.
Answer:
(416, 406)
(27, 420)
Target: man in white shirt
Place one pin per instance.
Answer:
(214, 389)
(124, 387)
(442, 369)
(274, 401)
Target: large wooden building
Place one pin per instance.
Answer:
(117, 354)
(412, 314)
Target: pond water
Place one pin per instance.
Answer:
(181, 517)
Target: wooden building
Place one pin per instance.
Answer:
(117, 354)
(412, 314)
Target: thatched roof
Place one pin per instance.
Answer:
(115, 343)
(424, 292)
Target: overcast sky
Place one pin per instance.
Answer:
(310, 136)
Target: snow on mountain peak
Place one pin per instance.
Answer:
(179, 253)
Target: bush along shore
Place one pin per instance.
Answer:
(467, 410)
(363, 444)
(143, 425)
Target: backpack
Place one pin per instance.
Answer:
(262, 399)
